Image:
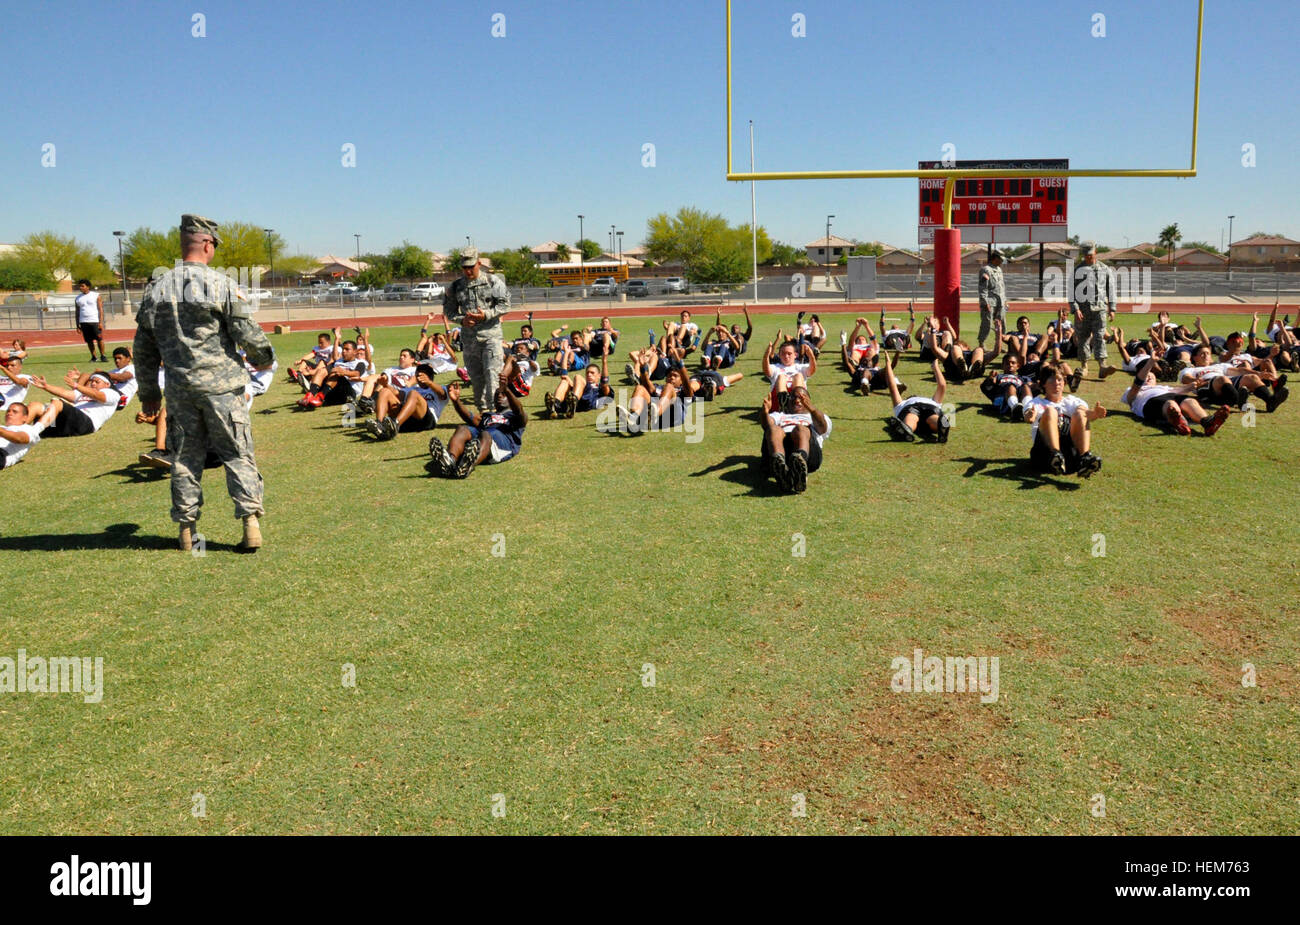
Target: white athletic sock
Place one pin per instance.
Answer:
(1013, 402)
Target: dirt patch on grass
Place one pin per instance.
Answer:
(1230, 635)
(888, 760)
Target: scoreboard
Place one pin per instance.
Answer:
(1014, 210)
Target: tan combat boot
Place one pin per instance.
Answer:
(252, 533)
(186, 541)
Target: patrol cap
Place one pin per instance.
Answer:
(1086, 248)
(996, 253)
(197, 224)
(469, 257)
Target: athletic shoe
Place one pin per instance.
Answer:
(1088, 464)
(1280, 394)
(440, 460)
(1058, 464)
(708, 389)
(304, 402)
(365, 405)
(780, 471)
(899, 430)
(630, 371)
(468, 458)
(1179, 422)
(1076, 379)
(159, 459)
(570, 404)
(1212, 426)
(1281, 381)
(316, 399)
(865, 388)
(390, 428)
(798, 465)
(463, 373)
(627, 422)
(375, 428)
(550, 404)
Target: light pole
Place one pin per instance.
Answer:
(619, 235)
(121, 265)
(582, 272)
(1230, 218)
(828, 249)
(358, 237)
(270, 253)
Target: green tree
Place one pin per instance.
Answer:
(1016, 250)
(453, 261)
(1169, 238)
(58, 254)
(867, 249)
(294, 266)
(246, 245)
(518, 267)
(17, 273)
(700, 241)
(590, 249)
(410, 261)
(1205, 246)
(786, 255)
(377, 275)
(146, 249)
(562, 253)
(724, 267)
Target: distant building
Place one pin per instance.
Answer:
(898, 257)
(549, 252)
(823, 251)
(972, 255)
(1128, 257)
(332, 267)
(1264, 249)
(1053, 255)
(1196, 257)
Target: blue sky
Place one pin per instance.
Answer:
(507, 139)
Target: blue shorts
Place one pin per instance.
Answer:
(580, 361)
(423, 391)
(504, 446)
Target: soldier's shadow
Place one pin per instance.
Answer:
(114, 536)
(137, 474)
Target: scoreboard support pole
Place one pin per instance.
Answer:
(947, 264)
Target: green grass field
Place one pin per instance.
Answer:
(523, 674)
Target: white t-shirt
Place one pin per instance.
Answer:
(88, 308)
(1213, 370)
(130, 386)
(528, 370)
(259, 380)
(325, 353)
(780, 370)
(97, 411)
(789, 421)
(922, 407)
(11, 452)
(400, 378)
(1066, 408)
(11, 392)
(440, 360)
(1146, 392)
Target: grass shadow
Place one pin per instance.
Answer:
(744, 470)
(137, 473)
(1015, 469)
(114, 536)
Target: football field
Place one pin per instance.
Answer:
(633, 635)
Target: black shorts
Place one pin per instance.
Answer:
(91, 331)
(71, 422)
(814, 452)
(340, 393)
(414, 425)
(1153, 412)
(1041, 454)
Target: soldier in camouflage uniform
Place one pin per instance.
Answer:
(476, 302)
(1092, 296)
(993, 295)
(194, 319)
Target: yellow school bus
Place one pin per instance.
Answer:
(572, 274)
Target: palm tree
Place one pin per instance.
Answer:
(562, 253)
(1169, 238)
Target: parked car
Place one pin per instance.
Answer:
(674, 284)
(303, 295)
(604, 285)
(369, 294)
(257, 295)
(426, 292)
(637, 288)
(345, 288)
(317, 283)
(396, 292)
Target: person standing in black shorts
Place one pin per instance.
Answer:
(90, 319)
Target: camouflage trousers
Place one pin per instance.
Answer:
(484, 360)
(1091, 334)
(198, 423)
(990, 313)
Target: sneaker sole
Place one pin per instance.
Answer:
(468, 458)
(781, 472)
(155, 461)
(798, 474)
(1088, 467)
